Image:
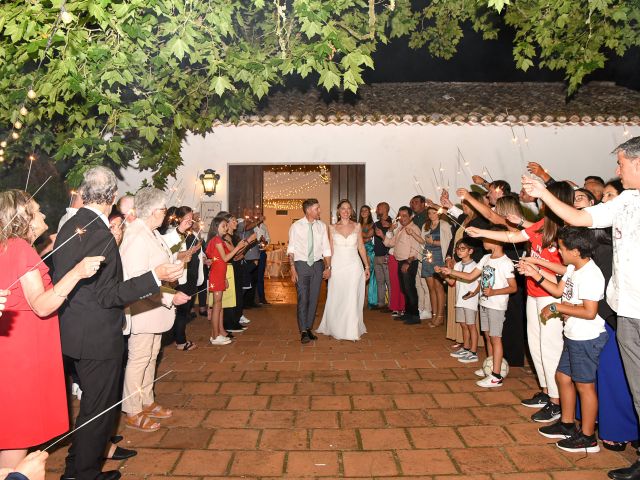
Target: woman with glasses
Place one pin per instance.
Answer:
(143, 249)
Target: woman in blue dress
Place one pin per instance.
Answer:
(436, 236)
(368, 231)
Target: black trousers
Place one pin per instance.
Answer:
(408, 286)
(183, 315)
(100, 380)
(262, 266)
(251, 278)
(513, 333)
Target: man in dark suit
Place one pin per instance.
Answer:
(92, 317)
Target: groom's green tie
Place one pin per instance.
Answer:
(310, 260)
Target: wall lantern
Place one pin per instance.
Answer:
(209, 181)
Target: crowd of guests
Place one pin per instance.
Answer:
(95, 305)
(120, 274)
(531, 268)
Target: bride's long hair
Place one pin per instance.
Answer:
(352, 215)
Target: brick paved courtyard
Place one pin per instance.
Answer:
(392, 405)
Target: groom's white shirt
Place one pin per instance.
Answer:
(298, 240)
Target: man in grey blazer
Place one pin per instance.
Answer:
(309, 254)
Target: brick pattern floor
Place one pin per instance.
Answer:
(392, 405)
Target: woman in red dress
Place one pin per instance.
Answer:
(33, 406)
(219, 253)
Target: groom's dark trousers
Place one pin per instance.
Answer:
(308, 288)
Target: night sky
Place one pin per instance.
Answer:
(481, 60)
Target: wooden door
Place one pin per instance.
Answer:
(245, 189)
(347, 181)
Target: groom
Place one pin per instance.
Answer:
(309, 254)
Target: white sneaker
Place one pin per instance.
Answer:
(480, 373)
(244, 320)
(489, 382)
(461, 352)
(236, 330)
(425, 314)
(219, 340)
(397, 313)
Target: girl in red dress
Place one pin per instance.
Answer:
(219, 253)
(33, 406)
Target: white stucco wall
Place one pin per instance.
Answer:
(394, 154)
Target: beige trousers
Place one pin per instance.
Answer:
(424, 302)
(140, 371)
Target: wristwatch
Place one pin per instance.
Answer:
(553, 308)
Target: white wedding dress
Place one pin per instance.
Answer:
(344, 310)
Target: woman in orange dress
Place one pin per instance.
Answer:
(33, 406)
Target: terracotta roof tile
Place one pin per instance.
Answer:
(459, 103)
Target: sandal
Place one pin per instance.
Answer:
(156, 411)
(141, 422)
(187, 347)
(437, 323)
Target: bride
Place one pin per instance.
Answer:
(343, 312)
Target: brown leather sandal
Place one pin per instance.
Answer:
(156, 411)
(141, 422)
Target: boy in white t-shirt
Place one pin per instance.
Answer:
(466, 304)
(497, 282)
(581, 288)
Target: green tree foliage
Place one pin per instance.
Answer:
(124, 80)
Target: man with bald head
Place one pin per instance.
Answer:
(381, 252)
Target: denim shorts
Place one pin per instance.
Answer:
(579, 359)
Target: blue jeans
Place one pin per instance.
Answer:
(579, 359)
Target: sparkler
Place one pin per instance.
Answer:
(418, 186)
(73, 194)
(31, 198)
(31, 159)
(450, 217)
(485, 172)
(137, 392)
(79, 231)
(436, 179)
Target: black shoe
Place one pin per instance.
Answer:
(122, 454)
(116, 439)
(548, 413)
(304, 338)
(412, 320)
(614, 446)
(628, 473)
(558, 430)
(538, 400)
(579, 443)
(398, 317)
(311, 334)
(109, 475)
(230, 335)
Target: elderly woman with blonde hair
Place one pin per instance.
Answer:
(34, 402)
(142, 250)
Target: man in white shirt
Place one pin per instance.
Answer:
(262, 234)
(309, 254)
(623, 293)
(76, 204)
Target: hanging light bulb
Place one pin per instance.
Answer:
(514, 139)
(3, 144)
(1, 159)
(17, 125)
(31, 94)
(65, 16)
(1, 151)
(24, 111)
(15, 135)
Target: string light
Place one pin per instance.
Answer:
(31, 94)
(15, 135)
(284, 203)
(3, 144)
(17, 125)
(24, 111)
